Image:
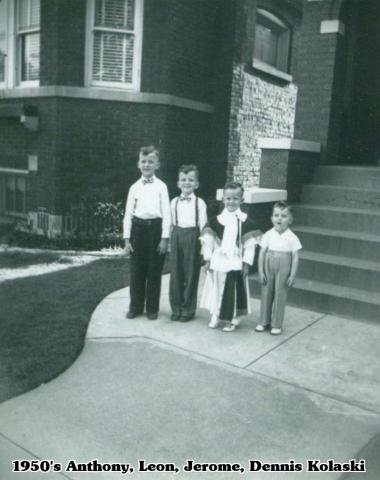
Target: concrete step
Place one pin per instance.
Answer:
(339, 242)
(354, 176)
(336, 195)
(342, 218)
(329, 298)
(342, 271)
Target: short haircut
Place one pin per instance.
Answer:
(189, 168)
(234, 186)
(283, 206)
(148, 149)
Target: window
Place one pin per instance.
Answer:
(115, 36)
(272, 41)
(13, 194)
(19, 42)
(3, 39)
(28, 40)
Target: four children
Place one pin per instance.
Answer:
(228, 243)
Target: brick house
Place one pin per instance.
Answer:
(83, 83)
(256, 90)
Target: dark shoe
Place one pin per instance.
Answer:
(152, 316)
(186, 318)
(175, 317)
(133, 314)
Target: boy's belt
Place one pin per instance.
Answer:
(146, 222)
(275, 253)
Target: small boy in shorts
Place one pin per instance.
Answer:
(278, 264)
(146, 229)
(189, 216)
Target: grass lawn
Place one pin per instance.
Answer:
(43, 320)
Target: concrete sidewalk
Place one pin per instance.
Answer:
(167, 392)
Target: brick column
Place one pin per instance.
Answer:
(321, 77)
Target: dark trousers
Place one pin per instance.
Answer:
(234, 294)
(146, 266)
(185, 268)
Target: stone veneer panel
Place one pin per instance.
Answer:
(265, 110)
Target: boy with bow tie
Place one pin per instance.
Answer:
(228, 246)
(189, 216)
(146, 229)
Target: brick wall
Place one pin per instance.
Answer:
(98, 146)
(318, 76)
(17, 143)
(88, 148)
(179, 47)
(179, 38)
(62, 42)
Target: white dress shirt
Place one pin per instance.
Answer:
(147, 201)
(286, 241)
(186, 212)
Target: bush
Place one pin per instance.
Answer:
(87, 227)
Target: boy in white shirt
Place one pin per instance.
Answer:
(146, 229)
(278, 264)
(189, 216)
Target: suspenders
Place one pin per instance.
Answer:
(196, 212)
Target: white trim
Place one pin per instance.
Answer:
(14, 171)
(108, 94)
(259, 195)
(332, 26)
(274, 72)
(271, 17)
(289, 144)
(137, 50)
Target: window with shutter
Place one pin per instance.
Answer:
(28, 40)
(115, 42)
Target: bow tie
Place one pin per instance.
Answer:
(147, 180)
(184, 199)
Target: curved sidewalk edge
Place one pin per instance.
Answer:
(239, 348)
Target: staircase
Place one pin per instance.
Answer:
(338, 224)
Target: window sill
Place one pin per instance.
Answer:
(272, 71)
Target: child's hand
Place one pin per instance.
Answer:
(245, 270)
(128, 247)
(163, 246)
(290, 281)
(262, 278)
